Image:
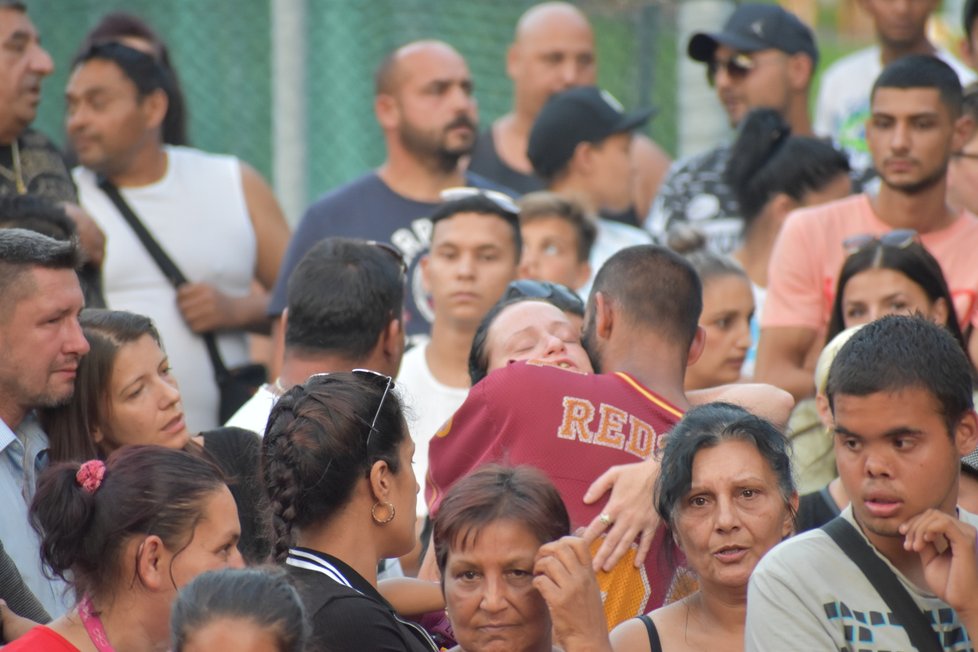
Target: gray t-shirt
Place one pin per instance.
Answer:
(806, 594)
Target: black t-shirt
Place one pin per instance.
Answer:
(346, 612)
(815, 510)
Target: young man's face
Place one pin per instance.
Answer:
(911, 135)
(550, 252)
(764, 82)
(896, 457)
(473, 258)
(900, 23)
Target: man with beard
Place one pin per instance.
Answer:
(900, 394)
(41, 343)
(424, 104)
(915, 126)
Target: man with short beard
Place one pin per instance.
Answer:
(41, 343)
(423, 102)
(915, 126)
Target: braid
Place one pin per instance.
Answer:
(280, 473)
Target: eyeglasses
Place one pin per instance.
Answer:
(737, 67)
(373, 375)
(899, 238)
(560, 295)
(502, 201)
(393, 251)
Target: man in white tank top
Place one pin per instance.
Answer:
(214, 216)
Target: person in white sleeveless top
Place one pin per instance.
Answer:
(213, 215)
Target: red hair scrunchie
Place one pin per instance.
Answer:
(90, 475)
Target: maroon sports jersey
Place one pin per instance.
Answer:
(572, 426)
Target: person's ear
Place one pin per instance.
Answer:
(788, 528)
(824, 411)
(423, 266)
(801, 68)
(604, 316)
(939, 311)
(964, 130)
(152, 562)
(583, 159)
(154, 106)
(387, 112)
(392, 344)
(779, 206)
(513, 60)
(697, 346)
(966, 433)
(381, 480)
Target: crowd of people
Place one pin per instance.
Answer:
(532, 388)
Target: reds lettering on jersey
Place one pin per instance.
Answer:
(573, 427)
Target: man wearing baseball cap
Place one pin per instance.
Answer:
(763, 57)
(580, 145)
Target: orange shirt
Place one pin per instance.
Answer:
(808, 256)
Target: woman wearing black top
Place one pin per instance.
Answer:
(336, 461)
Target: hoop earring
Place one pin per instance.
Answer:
(373, 513)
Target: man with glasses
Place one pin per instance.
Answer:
(475, 253)
(764, 57)
(424, 104)
(842, 108)
(916, 125)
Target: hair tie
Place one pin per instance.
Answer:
(90, 475)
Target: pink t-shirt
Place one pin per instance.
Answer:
(808, 256)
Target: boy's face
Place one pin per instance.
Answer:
(550, 252)
(897, 459)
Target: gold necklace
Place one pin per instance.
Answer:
(16, 175)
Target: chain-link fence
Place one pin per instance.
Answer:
(225, 50)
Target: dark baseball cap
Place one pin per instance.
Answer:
(754, 27)
(584, 114)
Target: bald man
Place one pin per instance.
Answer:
(423, 102)
(553, 50)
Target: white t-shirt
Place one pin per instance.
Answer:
(198, 214)
(429, 405)
(843, 99)
(253, 415)
(806, 594)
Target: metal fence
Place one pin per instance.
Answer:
(252, 69)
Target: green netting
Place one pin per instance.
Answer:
(223, 52)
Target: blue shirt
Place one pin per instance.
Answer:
(23, 454)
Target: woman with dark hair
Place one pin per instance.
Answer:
(486, 537)
(243, 610)
(336, 462)
(772, 173)
(126, 394)
(726, 495)
(126, 534)
(893, 274)
(728, 312)
(130, 30)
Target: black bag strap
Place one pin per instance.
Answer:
(166, 265)
(884, 580)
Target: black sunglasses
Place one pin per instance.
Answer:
(560, 295)
(899, 238)
(737, 67)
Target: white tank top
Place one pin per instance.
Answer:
(197, 213)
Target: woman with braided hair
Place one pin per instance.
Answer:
(126, 534)
(336, 462)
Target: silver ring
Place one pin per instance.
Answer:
(606, 519)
